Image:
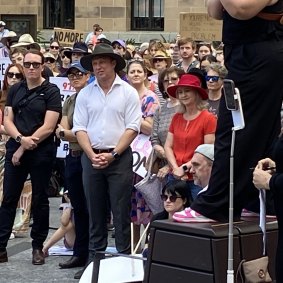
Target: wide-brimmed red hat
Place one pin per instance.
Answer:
(188, 80)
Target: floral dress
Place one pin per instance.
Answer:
(140, 213)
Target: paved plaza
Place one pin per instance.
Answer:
(19, 268)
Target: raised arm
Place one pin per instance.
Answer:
(244, 9)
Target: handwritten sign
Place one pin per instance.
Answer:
(141, 147)
(68, 37)
(200, 27)
(66, 90)
(4, 63)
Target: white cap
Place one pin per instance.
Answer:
(2, 23)
(206, 150)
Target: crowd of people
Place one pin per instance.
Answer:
(170, 92)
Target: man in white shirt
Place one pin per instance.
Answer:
(107, 118)
(3, 31)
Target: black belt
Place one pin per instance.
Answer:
(75, 153)
(107, 150)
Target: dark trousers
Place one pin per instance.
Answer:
(256, 70)
(38, 163)
(74, 184)
(114, 182)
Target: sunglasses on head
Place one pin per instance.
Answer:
(77, 75)
(212, 78)
(35, 65)
(171, 198)
(49, 59)
(16, 75)
(54, 47)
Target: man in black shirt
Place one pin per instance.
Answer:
(31, 114)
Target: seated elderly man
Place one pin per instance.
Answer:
(201, 165)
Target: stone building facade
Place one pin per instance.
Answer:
(115, 16)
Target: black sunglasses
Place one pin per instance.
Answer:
(171, 198)
(16, 75)
(212, 78)
(35, 65)
(54, 47)
(49, 59)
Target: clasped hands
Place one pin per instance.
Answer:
(101, 160)
(27, 143)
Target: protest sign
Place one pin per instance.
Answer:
(141, 147)
(66, 90)
(200, 27)
(67, 37)
(4, 63)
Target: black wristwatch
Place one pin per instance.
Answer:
(18, 138)
(115, 154)
(185, 168)
(62, 134)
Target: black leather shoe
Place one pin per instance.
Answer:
(79, 274)
(3, 256)
(38, 257)
(74, 261)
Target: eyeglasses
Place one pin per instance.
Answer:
(171, 80)
(49, 59)
(77, 75)
(171, 198)
(115, 46)
(16, 75)
(212, 78)
(35, 65)
(54, 47)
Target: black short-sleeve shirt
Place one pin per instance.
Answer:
(30, 108)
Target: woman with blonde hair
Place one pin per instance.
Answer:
(192, 126)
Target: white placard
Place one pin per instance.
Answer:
(141, 147)
(66, 90)
(4, 63)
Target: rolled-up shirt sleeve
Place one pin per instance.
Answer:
(133, 114)
(80, 119)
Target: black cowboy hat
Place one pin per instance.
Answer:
(78, 47)
(101, 50)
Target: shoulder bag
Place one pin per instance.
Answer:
(150, 187)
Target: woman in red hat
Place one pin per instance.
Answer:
(191, 126)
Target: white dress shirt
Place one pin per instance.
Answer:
(106, 117)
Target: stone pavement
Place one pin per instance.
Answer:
(19, 268)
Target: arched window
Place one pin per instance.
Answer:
(59, 13)
(147, 15)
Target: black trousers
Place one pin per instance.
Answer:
(114, 183)
(74, 184)
(256, 70)
(38, 163)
